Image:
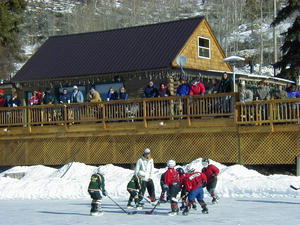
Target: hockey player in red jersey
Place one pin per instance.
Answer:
(194, 186)
(172, 186)
(211, 172)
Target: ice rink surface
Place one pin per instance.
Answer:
(229, 211)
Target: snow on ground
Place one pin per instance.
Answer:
(71, 181)
(59, 196)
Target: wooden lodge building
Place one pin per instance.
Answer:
(180, 128)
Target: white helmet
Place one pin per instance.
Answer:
(147, 151)
(190, 168)
(100, 170)
(205, 162)
(171, 163)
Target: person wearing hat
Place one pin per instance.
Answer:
(77, 96)
(145, 166)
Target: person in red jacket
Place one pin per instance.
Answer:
(194, 186)
(172, 186)
(197, 88)
(211, 172)
(183, 194)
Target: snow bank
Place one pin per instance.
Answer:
(71, 181)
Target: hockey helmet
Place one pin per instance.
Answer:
(180, 171)
(190, 168)
(171, 163)
(205, 162)
(147, 151)
(100, 170)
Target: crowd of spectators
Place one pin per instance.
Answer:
(195, 87)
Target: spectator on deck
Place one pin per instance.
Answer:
(263, 91)
(77, 96)
(94, 96)
(280, 93)
(123, 94)
(225, 84)
(112, 95)
(48, 98)
(213, 87)
(246, 95)
(36, 98)
(163, 90)
(14, 101)
(65, 97)
(151, 90)
(197, 88)
(183, 89)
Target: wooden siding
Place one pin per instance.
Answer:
(190, 50)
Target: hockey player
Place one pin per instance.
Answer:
(211, 172)
(96, 186)
(193, 184)
(172, 185)
(133, 187)
(183, 195)
(146, 165)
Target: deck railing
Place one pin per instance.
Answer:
(144, 109)
(268, 112)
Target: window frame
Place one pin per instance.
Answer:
(199, 47)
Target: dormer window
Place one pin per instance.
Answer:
(203, 47)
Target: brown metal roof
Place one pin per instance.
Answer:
(138, 48)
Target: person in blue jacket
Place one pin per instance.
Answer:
(123, 94)
(151, 90)
(183, 89)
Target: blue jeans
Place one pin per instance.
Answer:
(196, 194)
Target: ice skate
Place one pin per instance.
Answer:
(204, 210)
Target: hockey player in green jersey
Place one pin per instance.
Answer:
(96, 186)
(134, 186)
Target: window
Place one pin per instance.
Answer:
(203, 47)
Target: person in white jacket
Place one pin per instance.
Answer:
(145, 167)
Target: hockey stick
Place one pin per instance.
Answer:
(128, 213)
(294, 187)
(152, 210)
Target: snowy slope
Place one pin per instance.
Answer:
(71, 181)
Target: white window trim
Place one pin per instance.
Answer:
(203, 57)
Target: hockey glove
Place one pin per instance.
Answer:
(104, 192)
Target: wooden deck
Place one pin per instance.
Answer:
(180, 128)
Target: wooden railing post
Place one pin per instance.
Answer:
(104, 115)
(145, 113)
(271, 115)
(188, 105)
(29, 119)
(65, 115)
